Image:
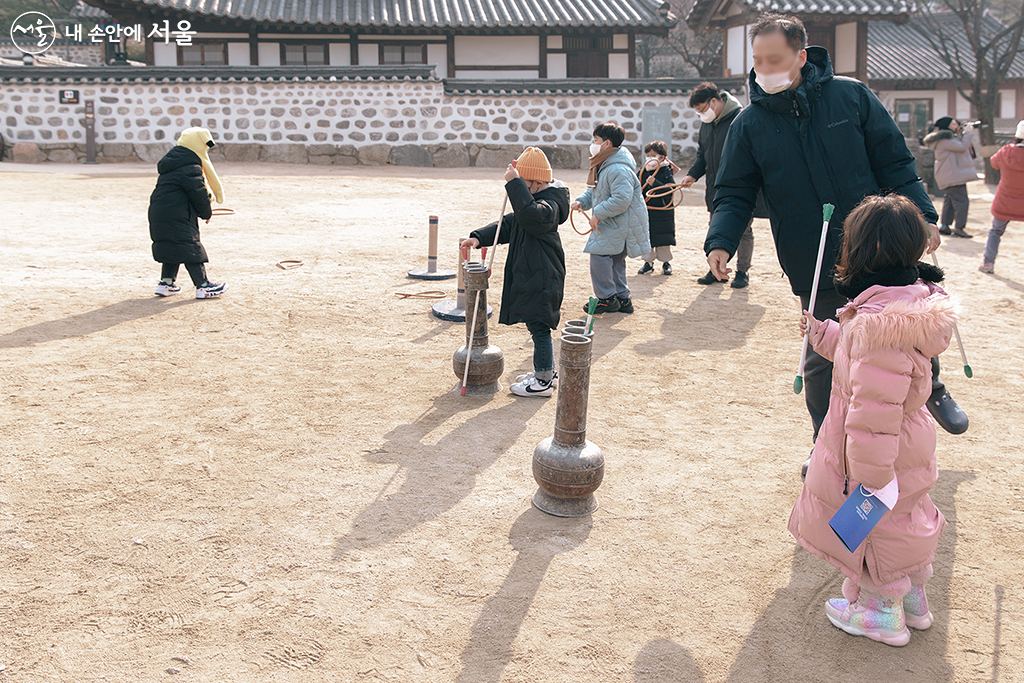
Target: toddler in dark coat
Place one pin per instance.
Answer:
(656, 172)
(179, 200)
(535, 265)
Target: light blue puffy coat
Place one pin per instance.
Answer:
(619, 203)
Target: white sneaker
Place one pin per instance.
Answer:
(164, 289)
(528, 376)
(211, 289)
(533, 387)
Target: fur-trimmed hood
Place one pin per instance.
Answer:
(913, 317)
(937, 135)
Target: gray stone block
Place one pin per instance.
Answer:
(411, 155)
(375, 155)
(451, 156)
(286, 153)
(27, 153)
(245, 152)
(117, 149)
(151, 152)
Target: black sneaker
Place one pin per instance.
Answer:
(609, 305)
(666, 268)
(944, 230)
(709, 279)
(625, 305)
(646, 268)
(947, 413)
(962, 233)
(740, 281)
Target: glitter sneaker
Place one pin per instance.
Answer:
(915, 608)
(880, 619)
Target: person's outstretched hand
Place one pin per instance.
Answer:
(933, 238)
(718, 259)
(687, 181)
(808, 325)
(469, 243)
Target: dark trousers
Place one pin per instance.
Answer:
(955, 205)
(196, 271)
(543, 353)
(818, 370)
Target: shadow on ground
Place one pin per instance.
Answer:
(90, 322)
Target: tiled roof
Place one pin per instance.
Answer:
(900, 52)
(585, 86)
(88, 12)
(212, 74)
(431, 14)
(703, 10)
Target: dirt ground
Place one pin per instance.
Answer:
(281, 485)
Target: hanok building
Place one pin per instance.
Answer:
(491, 39)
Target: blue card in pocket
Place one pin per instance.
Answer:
(857, 517)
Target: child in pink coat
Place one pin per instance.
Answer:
(878, 427)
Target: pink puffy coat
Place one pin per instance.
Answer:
(1008, 204)
(877, 426)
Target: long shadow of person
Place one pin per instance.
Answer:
(664, 661)
(537, 538)
(438, 476)
(709, 323)
(793, 640)
(90, 322)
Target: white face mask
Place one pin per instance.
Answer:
(595, 149)
(708, 115)
(773, 83)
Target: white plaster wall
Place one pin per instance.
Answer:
(618, 66)
(963, 107)
(437, 54)
(846, 48)
(369, 54)
(735, 38)
(1008, 104)
(497, 50)
(269, 54)
(557, 65)
(487, 75)
(165, 54)
(238, 54)
(339, 54)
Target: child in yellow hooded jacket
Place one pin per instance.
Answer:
(182, 196)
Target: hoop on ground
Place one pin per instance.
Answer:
(289, 263)
(222, 212)
(429, 294)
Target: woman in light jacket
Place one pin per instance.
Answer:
(954, 168)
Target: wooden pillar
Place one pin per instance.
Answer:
(353, 49)
(254, 48)
(632, 54)
(862, 51)
(542, 68)
(451, 55)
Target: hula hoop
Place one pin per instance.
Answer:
(288, 264)
(573, 223)
(222, 212)
(662, 192)
(430, 294)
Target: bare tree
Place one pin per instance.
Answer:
(703, 53)
(979, 50)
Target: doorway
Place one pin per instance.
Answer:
(914, 117)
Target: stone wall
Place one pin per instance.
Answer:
(409, 123)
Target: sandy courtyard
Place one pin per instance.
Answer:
(281, 485)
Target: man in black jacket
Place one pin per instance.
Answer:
(717, 109)
(810, 138)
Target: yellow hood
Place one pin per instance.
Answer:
(199, 141)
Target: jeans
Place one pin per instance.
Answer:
(543, 353)
(197, 271)
(818, 369)
(955, 205)
(745, 252)
(995, 234)
(608, 275)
